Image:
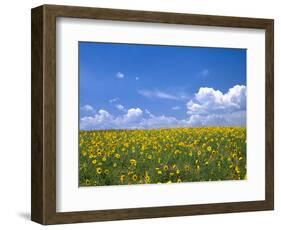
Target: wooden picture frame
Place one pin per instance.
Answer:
(43, 188)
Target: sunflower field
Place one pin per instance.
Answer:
(174, 155)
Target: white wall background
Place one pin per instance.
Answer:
(15, 113)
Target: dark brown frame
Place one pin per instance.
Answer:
(43, 170)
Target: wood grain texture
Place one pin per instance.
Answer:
(269, 116)
(37, 115)
(43, 207)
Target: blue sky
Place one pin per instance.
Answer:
(150, 86)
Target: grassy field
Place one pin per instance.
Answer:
(116, 157)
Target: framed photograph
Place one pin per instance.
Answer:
(140, 114)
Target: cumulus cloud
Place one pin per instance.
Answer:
(120, 107)
(212, 107)
(133, 113)
(208, 107)
(113, 100)
(87, 108)
(104, 120)
(162, 122)
(134, 118)
(147, 111)
(120, 75)
(227, 119)
(101, 119)
(209, 101)
(131, 119)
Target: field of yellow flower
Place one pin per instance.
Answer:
(122, 157)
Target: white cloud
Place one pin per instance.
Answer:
(226, 119)
(120, 75)
(131, 119)
(176, 108)
(208, 107)
(113, 99)
(208, 101)
(87, 108)
(173, 94)
(158, 94)
(162, 122)
(137, 78)
(134, 118)
(102, 119)
(147, 112)
(121, 108)
(212, 107)
(134, 112)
